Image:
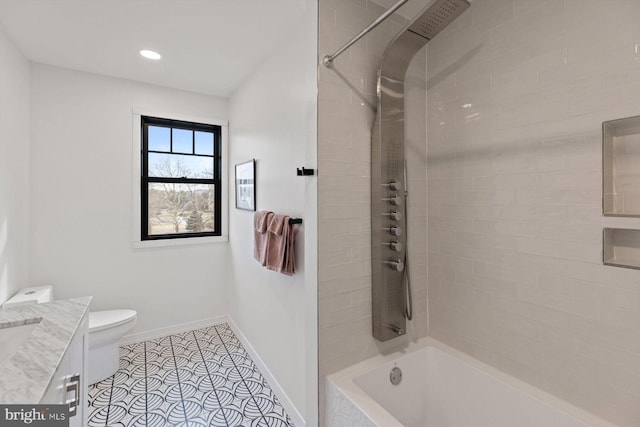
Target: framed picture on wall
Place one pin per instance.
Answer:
(246, 185)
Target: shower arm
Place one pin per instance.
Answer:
(328, 59)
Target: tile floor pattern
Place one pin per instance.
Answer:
(198, 378)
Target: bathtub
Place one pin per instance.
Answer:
(442, 387)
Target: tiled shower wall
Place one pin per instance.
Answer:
(517, 92)
(346, 110)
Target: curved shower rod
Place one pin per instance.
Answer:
(328, 59)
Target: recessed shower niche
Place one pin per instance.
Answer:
(621, 247)
(621, 192)
(621, 167)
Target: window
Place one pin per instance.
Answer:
(181, 191)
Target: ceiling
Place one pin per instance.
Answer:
(208, 46)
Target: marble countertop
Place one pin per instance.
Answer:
(26, 374)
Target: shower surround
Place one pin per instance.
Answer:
(516, 91)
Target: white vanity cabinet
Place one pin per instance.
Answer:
(68, 384)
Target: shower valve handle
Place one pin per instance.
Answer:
(393, 185)
(396, 231)
(394, 215)
(396, 265)
(396, 246)
(393, 200)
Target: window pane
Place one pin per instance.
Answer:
(180, 208)
(159, 139)
(182, 141)
(204, 143)
(178, 166)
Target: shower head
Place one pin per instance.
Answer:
(433, 19)
(437, 16)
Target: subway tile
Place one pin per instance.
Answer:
(622, 318)
(331, 336)
(613, 297)
(496, 197)
(342, 196)
(527, 262)
(626, 338)
(337, 303)
(509, 228)
(451, 223)
(468, 252)
(581, 233)
(331, 258)
(485, 241)
(560, 249)
(505, 182)
(348, 271)
(501, 274)
(345, 241)
(333, 286)
(596, 272)
(585, 307)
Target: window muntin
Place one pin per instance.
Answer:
(181, 179)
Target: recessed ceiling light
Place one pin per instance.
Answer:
(149, 54)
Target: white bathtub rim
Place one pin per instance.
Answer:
(344, 381)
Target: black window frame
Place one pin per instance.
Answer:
(145, 180)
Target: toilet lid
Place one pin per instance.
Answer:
(99, 320)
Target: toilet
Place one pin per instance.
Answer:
(106, 328)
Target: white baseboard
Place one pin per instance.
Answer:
(297, 419)
(171, 330)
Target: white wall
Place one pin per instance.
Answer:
(517, 93)
(14, 168)
(273, 118)
(81, 202)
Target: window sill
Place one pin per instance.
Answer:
(187, 241)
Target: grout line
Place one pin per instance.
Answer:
(113, 379)
(184, 410)
(240, 374)
(210, 379)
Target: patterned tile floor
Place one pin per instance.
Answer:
(198, 378)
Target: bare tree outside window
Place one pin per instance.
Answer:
(178, 207)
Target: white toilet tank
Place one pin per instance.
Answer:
(36, 295)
